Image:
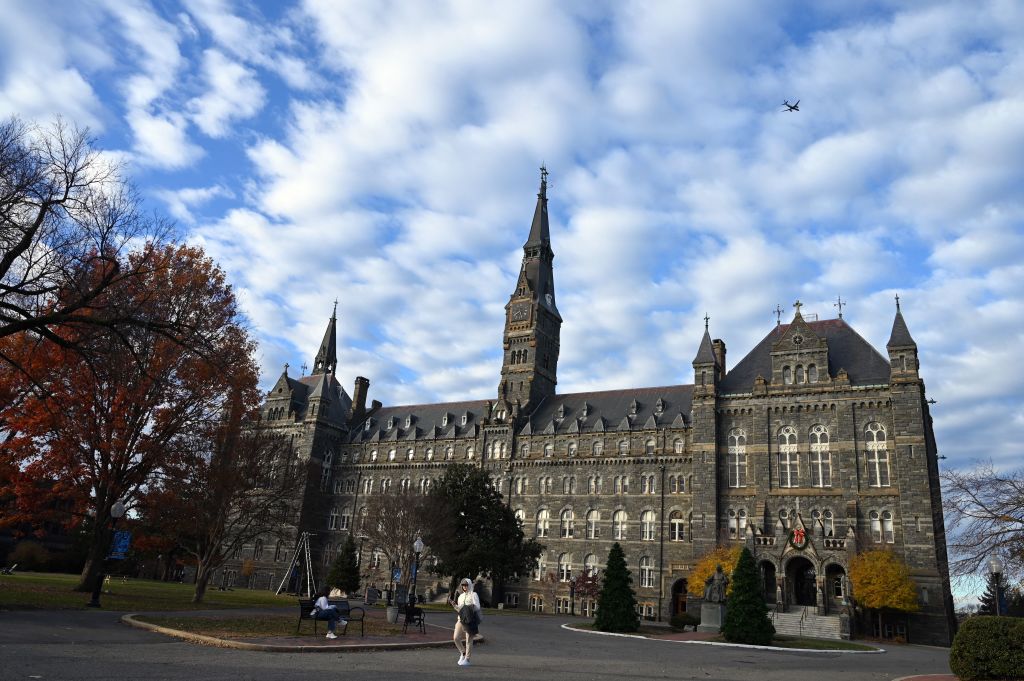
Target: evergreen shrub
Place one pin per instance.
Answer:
(988, 648)
(616, 606)
(746, 615)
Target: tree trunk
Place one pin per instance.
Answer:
(93, 568)
(202, 581)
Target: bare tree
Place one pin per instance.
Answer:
(392, 523)
(240, 483)
(984, 517)
(68, 222)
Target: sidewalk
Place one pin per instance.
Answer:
(436, 635)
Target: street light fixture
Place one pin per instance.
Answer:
(116, 512)
(995, 568)
(572, 595)
(417, 548)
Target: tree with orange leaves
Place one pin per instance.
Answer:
(881, 581)
(99, 426)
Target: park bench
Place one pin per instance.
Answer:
(345, 611)
(416, 617)
(8, 570)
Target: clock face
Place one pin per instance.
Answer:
(520, 312)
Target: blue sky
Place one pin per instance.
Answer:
(386, 154)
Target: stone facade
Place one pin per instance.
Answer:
(810, 448)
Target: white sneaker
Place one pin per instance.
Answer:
(464, 662)
(331, 634)
(462, 658)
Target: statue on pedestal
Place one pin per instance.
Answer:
(715, 586)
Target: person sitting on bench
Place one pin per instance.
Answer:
(323, 610)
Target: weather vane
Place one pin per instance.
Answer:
(897, 302)
(706, 320)
(839, 303)
(778, 314)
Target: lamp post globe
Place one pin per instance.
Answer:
(116, 512)
(995, 568)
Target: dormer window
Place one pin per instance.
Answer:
(465, 418)
(408, 421)
(561, 411)
(633, 407)
(391, 422)
(444, 420)
(368, 424)
(585, 410)
(659, 407)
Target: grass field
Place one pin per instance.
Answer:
(262, 626)
(49, 591)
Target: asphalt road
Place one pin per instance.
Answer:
(94, 645)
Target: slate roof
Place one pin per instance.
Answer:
(427, 422)
(613, 410)
(847, 349)
(705, 353)
(303, 389)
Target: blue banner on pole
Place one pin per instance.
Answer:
(396, 575)
(119, 547)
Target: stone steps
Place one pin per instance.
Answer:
(797, 623)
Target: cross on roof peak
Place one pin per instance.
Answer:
(839, 303)
(798, 305)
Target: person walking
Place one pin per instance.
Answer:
(467, 605)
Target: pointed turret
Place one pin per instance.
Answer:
(902, 348)
(706, 351)
(900, 336)
(706, 370)
(326, 360)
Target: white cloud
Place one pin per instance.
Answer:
(181, 202)
(232, 93)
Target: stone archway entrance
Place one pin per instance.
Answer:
(679, 596)
(767, 569)
(802, 580)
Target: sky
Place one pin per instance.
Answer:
(386, 154)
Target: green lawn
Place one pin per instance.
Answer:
(49, 591)
(263, 626)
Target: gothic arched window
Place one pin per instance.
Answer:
(821, 457)
(788, 458)
(736, 458)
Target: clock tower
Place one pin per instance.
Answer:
(532, 321)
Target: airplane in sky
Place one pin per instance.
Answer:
(791, 107)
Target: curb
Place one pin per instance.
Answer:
(273, 648)
(776, 649)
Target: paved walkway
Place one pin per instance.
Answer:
(438, 633)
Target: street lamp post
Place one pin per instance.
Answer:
(116, 511)
(572, 596)
(417, 548)
(995, 568)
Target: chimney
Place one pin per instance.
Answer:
(359, 399)
(718, 347)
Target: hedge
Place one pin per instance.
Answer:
(989, 648)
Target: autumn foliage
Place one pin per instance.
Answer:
(881, 581)
(726, 556)
(91, 428)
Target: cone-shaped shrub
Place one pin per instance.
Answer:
(746, 615)
(616, 606)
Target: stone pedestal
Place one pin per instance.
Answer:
(712, 617)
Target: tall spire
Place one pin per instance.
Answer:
(532, 321)
(326, 360)
(540, 234)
